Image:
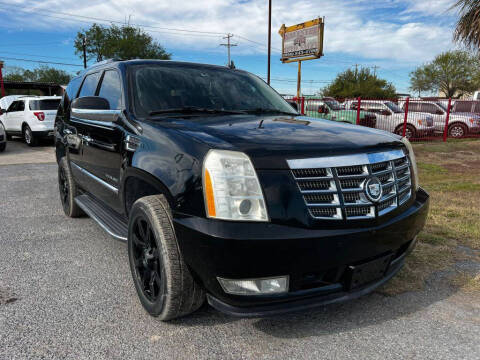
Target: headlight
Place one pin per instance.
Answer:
(231, 188)
(412, 160)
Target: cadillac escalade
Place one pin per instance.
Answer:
(224, 193)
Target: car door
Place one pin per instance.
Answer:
(102, 141)
(14, 117)
(75, 130)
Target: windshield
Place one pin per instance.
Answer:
(442, 106)
(334, 105)
(44, 104)
(160, 87)
(394, 107)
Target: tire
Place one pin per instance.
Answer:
(28, 136)
(410, 131)
(3, 147)
(68, 190)
(457, 130)
(164, 284)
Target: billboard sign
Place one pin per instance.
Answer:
(303, 41)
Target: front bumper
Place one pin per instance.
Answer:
(316, 260)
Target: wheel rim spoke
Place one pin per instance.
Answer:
(146, 259)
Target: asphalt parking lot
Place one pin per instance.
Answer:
(66, 292)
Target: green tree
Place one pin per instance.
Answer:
(362, 83)
(419, 81)
(122, 42)
(41, 74)
(467, 30)
(452, 73)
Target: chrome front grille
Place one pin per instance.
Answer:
(334, 187)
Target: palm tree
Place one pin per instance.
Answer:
(467, 30)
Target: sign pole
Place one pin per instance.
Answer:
(269, 38)
(299, 80)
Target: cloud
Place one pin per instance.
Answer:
(394, 30)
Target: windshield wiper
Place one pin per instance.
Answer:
(193, 110)
(267, 111)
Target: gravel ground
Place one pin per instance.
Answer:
(66, 292)
(17, 152)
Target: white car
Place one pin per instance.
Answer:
(391, 117)
(459, 124)
(31, 117)
(3, 138)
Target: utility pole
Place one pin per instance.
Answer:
(269, 38)
(375, 67)
(84, 47)
(228, 45)
(2, 89)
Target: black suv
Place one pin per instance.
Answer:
(222, 190)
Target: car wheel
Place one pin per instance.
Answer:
(68, 190)
(410, 131)
(3, 146)
(163, 282)
(457, 130)
(30, 139)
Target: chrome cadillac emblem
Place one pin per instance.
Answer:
(373, 189)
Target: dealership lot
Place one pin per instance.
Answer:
(66, 292)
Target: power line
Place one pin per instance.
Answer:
(42, 56)
(40, 61)
(110, 21)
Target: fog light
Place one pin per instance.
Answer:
(263, 286)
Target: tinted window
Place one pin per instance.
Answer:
(415, 107)
(111, 89)
(17, 106)
(90, 85)
(44, 104)
(429, 108)
(160, 87)
(72, 88)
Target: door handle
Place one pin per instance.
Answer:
(87, 138)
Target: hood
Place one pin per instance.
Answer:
(270, 140)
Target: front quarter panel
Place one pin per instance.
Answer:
(176, 161)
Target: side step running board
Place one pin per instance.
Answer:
(110, 221)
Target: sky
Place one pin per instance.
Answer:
(394, 35)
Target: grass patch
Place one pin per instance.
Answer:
(467, 282)
(450, 172)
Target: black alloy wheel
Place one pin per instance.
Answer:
(146, 257)
(68, 190)
(165, 287)
(63, 187)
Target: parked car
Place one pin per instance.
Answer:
(5, 103)
(391, 117)
(222, 190)
(3, 138)
(459, 124)
(31, 117)
(331, 109)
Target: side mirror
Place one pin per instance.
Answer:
(91, 103)
(439, 112)
(385, 112)
(3, 111)
(94, 108)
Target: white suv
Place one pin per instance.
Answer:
(459, 124)
(31, 117)
(391, 117)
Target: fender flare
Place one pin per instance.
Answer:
(155, 182)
